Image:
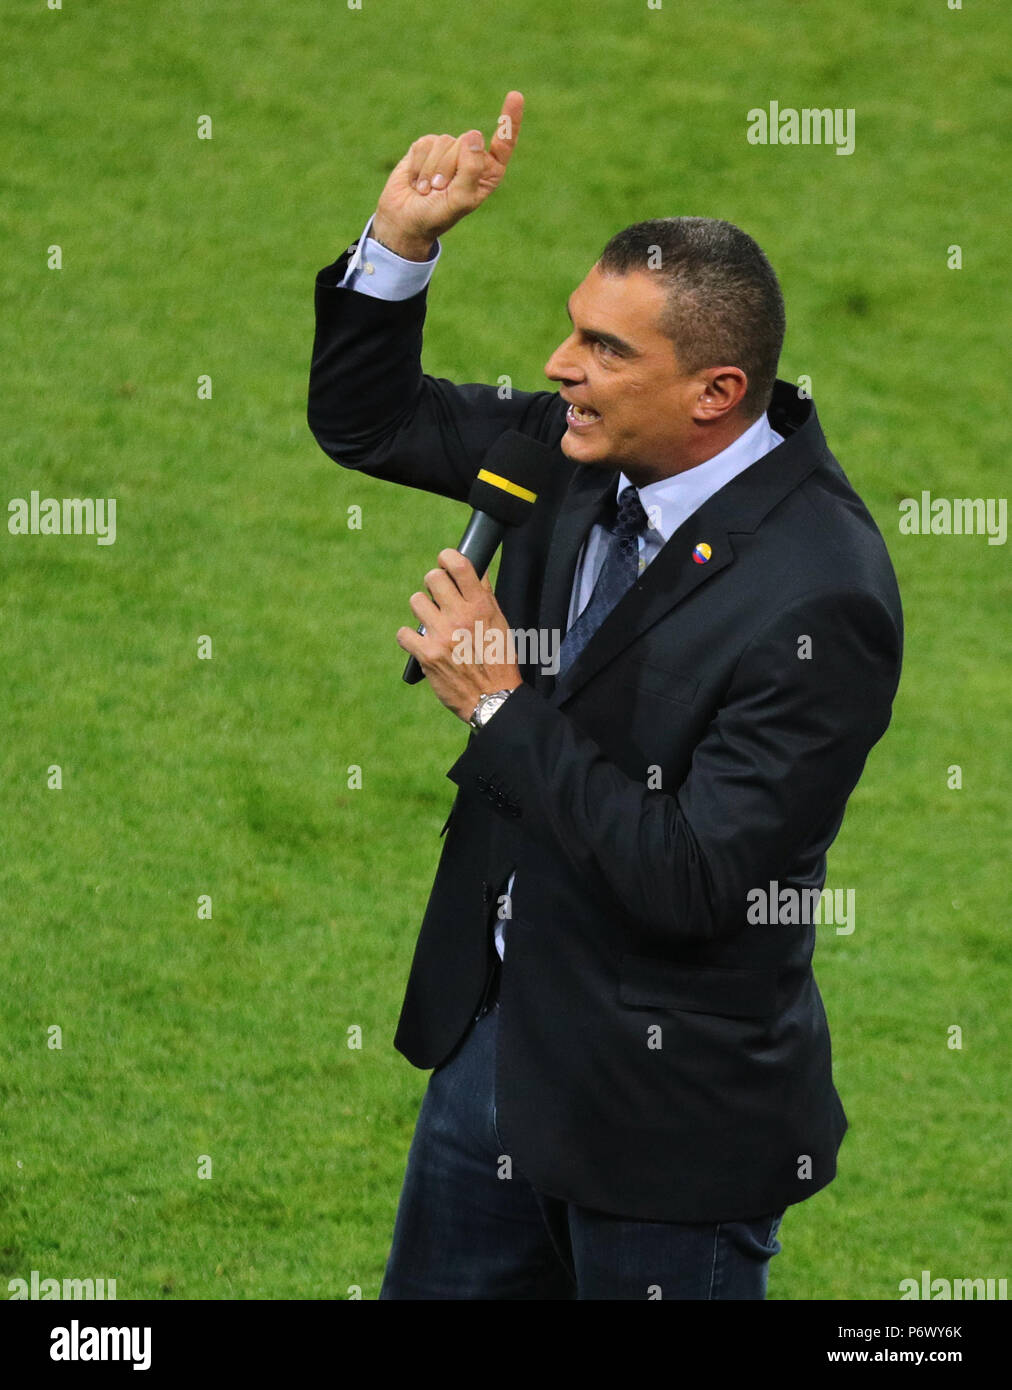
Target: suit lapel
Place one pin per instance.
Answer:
(670, 578)
(584, 505)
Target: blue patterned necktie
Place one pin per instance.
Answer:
(619, 571)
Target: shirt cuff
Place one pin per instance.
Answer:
(375, 270)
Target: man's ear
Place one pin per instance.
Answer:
(722, 389)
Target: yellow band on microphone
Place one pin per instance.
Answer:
(486, 477)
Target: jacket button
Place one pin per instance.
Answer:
(482, 782)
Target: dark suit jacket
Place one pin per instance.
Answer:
(629, 910)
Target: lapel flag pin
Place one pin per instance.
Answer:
(702, 553)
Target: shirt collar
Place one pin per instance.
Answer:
(670, 501)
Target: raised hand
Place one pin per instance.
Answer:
(440, 180)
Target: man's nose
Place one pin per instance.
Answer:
(563, 365)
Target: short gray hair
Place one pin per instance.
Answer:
(724, 307)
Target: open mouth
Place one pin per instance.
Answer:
(581, 417)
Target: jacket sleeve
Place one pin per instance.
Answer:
(767, 786)
(371, 408)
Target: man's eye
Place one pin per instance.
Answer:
(605, 348)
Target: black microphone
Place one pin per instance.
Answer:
(502, 495)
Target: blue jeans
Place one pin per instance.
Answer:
(470, 1225)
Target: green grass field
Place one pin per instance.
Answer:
(228, 1037)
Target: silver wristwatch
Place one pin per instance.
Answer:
(487, 706)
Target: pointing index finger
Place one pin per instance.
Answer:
(508, 127)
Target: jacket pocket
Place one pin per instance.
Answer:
(646, 983)
(658, 680)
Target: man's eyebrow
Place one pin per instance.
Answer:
(609, 339)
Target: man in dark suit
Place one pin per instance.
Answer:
(632, 1075)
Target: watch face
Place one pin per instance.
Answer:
(487, 706)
